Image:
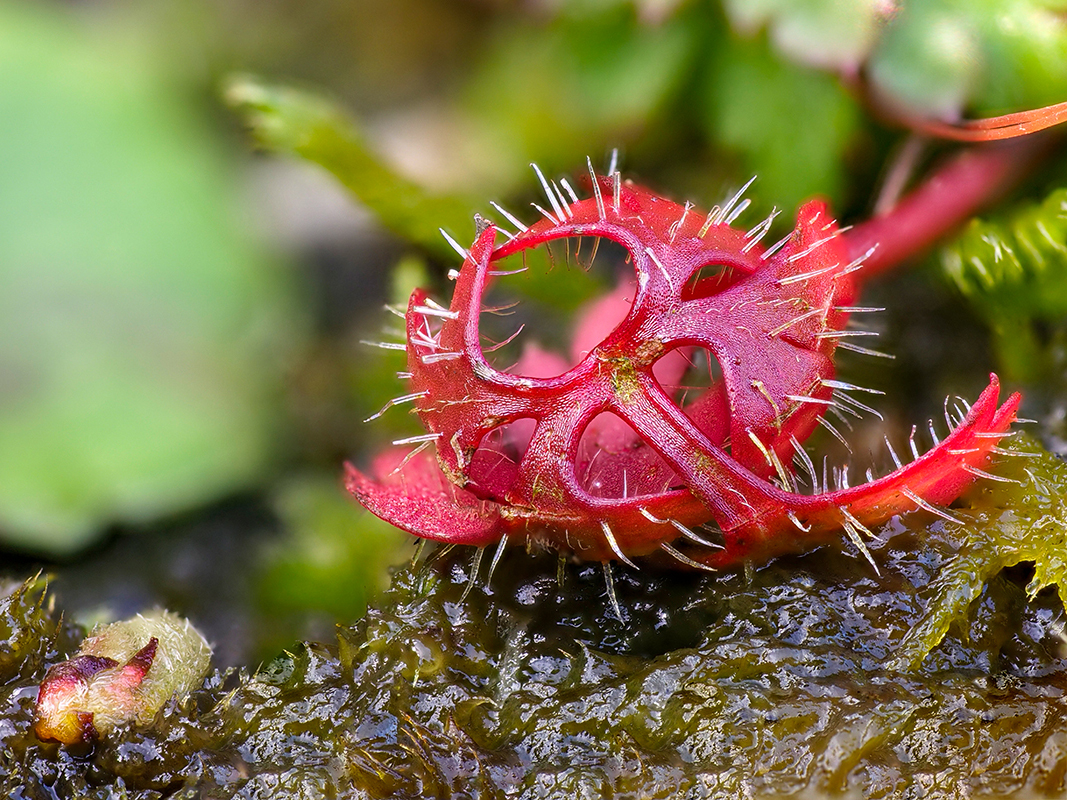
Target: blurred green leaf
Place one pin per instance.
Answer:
(826, 33)
(791, 125)
(287, 120)
(141, 331)
(1014, 271)
(939, 56)
(930, 58)
(334, 557)
(559, 92)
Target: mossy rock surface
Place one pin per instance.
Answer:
(775, 684)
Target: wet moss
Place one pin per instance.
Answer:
(943, 676)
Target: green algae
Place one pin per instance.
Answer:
(945, 676)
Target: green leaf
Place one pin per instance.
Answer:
(827, 33)
(141, 330)
(287, 120)
(559, 92)
(332, 561)
(792, 126)
(994, 56)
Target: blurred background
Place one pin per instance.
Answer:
(182, 298)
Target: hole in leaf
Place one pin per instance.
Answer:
(615, 462)
(709, 280)
(539, 296)
(495, 464)
(692, 377)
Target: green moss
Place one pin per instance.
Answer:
(30, 634)
(1021, 518)
(1014, 272)
(814, 674)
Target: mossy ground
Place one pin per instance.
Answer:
(792, 680)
